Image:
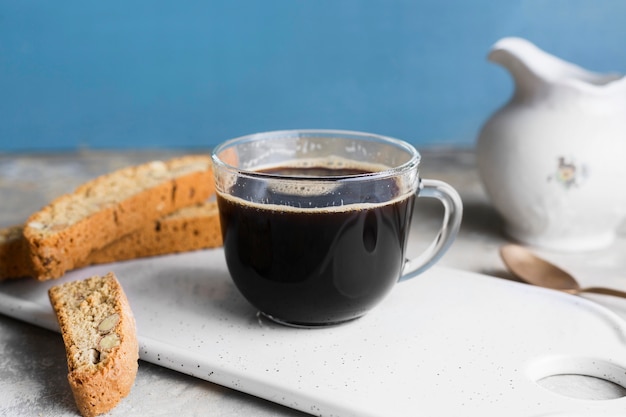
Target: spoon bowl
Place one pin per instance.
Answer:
(535, 270)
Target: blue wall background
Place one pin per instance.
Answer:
(157, 73)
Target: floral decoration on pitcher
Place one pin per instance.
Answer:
(568, 173)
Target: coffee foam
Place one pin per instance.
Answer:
(324, 185)
(302, 208)
(307, 186)
(330, 162)
(301, 187)
(304, 190)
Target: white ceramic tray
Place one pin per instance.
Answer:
(447, 343)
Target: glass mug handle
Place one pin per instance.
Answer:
(453, 212)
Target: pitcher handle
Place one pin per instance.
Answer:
(453, 212)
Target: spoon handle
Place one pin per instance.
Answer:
(605, 291)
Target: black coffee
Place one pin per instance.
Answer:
(319, 262)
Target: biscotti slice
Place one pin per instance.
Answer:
(14, 255)
(65, 232)
(100, 340)
(187, 229)
(190, 228)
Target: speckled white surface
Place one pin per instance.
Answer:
(446, 343)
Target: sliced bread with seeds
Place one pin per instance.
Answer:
(99, 334)
(187, 229)
(64, 233)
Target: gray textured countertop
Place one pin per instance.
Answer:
(32, 360)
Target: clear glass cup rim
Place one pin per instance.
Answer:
(410, 164)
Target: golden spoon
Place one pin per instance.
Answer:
(534, 270)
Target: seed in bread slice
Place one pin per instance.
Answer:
(65, 232)
(100, 340)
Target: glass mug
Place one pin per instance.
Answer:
(316, 222)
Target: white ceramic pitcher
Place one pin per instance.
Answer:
(552, 159)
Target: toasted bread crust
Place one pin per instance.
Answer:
(98, 384)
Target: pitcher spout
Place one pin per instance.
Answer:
(533, 68)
